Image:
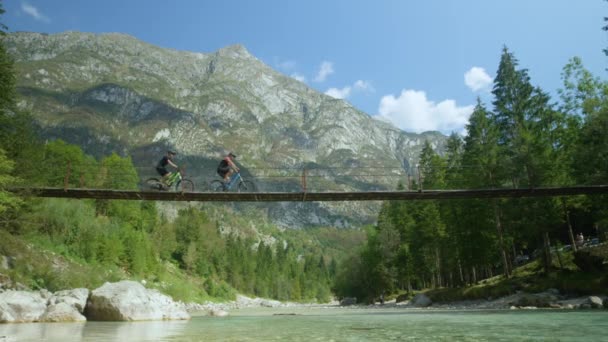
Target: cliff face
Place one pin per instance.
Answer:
(112, 92)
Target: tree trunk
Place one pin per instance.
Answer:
(460, 272)
(547, 253)
(559, 257)
(438, 266)
(474, 274)
(570, 233)
(505, 261)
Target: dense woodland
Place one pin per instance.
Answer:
(522, 139)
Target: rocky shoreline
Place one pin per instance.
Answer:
(121, 301)
(549, 299)
(131, 301)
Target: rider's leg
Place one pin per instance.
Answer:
(166, 178)
(224, 174)
(164, 174)
(227, 176)
(227, 179)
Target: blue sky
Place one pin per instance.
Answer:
(419, 64)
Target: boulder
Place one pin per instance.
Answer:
(539, 300)
(45, 294)
(268, 303)
(218, 313)
(594, 302)
(587, 261)
(21, 306)
(131, 301)
(348, 301)
(243, 301)
(62, 312)
(76, 298)
(421, 301)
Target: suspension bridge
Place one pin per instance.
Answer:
(281, 185)
(311, 196)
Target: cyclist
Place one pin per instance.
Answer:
(226, 168)
(161, 167)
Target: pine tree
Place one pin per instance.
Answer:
(526, 126)
(481, 157)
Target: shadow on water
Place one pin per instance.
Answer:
(92, 331)
(338, 325)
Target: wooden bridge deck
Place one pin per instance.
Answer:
(309, 196)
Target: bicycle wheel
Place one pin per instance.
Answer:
(153, 184)
(185, 185)
(246, 186)
(216, 186)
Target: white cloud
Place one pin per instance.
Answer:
(413, 112)
(326, 69)
(339, 93)
(477, 79)
(358, 86)
(299, 77)
(364, 86)
(34, 12)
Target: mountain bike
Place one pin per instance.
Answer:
(236, 181)
(176, 181)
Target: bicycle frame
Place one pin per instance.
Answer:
(233, 180)
(176, 176)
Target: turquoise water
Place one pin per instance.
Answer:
(335, 325)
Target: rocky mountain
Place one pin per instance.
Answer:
(114, 93)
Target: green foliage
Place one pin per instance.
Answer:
(522, 142)
(8, 201)
(61, 162)
(7, 80)
(117, 173)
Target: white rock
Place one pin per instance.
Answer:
(421, 300)
(218, 313)
(21, 306)
(62, 312)
(131, 301)
(76, 298)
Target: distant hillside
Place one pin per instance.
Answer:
(112, 92)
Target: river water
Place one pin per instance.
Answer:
(317, 324)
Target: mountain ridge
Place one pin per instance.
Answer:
(203, 105)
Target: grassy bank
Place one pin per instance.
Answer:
(35, 263)
(530, 278)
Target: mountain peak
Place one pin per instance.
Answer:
(235, 51)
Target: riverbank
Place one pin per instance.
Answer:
(131, 301)
(550, 299)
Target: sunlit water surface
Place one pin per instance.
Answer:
(306, 324)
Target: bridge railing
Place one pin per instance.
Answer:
(289, 179)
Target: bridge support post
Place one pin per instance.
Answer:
(66, 180)
(304, 180)
(419, 178)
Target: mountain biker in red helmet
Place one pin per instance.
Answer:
(161, 167)
(227, 167)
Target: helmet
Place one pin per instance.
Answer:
(232, 155)
(172, 152)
